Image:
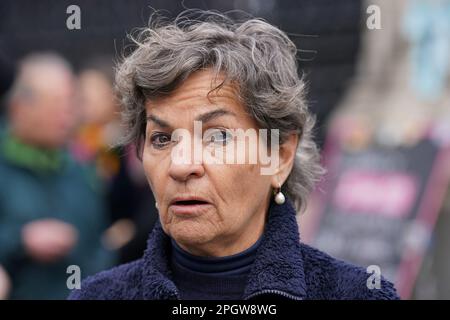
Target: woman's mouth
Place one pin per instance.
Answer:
(189, 206)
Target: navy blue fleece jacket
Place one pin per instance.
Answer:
(283, 268)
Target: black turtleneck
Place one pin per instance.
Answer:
(211, 277)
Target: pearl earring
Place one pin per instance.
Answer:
(279, 196)
(156, 205)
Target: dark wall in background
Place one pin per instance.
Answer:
(330, 28)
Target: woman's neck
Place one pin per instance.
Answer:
(236, 264)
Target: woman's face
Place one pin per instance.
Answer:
(232, 199)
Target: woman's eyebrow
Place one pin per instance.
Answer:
(214, 114)
(205, 117)
(158, 121)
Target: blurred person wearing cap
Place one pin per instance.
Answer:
(51, 209)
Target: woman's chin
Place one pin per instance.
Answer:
(189, 233)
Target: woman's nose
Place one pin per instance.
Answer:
(185, 171)
(186, 161)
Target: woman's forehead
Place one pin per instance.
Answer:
(198, 94)
(200, 85)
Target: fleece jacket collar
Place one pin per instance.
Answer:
(277, 270)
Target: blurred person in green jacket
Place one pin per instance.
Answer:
(51, 207)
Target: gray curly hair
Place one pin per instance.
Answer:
(259, 57)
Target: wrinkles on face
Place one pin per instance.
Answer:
(238, 194)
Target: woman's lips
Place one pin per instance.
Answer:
(189, 207)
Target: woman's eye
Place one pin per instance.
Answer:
(160, 140)
(220, 137)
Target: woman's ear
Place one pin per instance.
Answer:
(287, 152)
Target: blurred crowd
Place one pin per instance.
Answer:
(69, 195)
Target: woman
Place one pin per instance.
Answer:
(227, 229)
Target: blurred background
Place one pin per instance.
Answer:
(379, 85)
